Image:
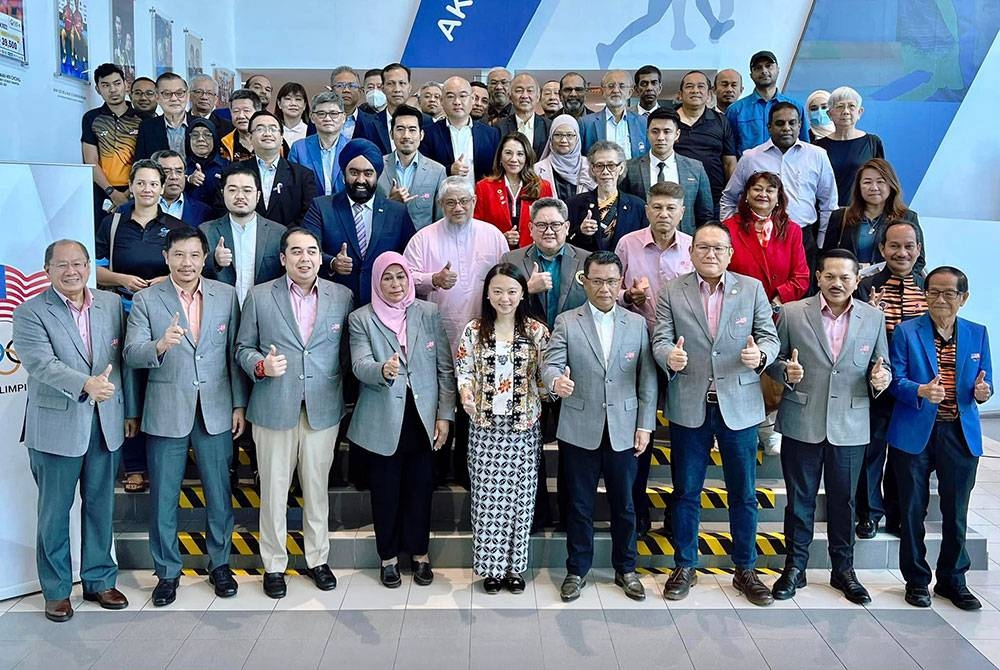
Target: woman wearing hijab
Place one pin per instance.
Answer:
(563, 164)
(204, 164)
(817, 107)
(401, 356)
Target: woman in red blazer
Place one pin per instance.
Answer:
(767, 245)
(504, 198)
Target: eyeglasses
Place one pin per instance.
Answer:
(461, 96)
(573, 89)
(451, 202)
(544, 226)
(949, 294)
(564, 136)
(76, 265)
(143, 94)
(703, 249)
(207, 92)
(173, 94)
(609, 283)
(498, 82)
(201, 135)
(616, 86)
(261, 130)
(346, 86)
(328, 115)
(605, 167)
(173, 171)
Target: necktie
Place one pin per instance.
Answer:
(359, 224)
(660, 176)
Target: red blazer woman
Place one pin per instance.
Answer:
(781, 267)
(493, 206)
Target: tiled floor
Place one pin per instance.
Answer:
(454, 624)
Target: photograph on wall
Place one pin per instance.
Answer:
(163, 44)
(71, 35)
(225, 79)
(12, 30)
(192, 50)
(123, 37)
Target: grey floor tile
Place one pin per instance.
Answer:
(12, 651)
(217, 654)
(906, 625)
(717, 639)
(346, 653)
(435, 653)
(64, 655)
(300, 654)
(152, 653)
(166, 625)
(230, 625)
(653, 620)
(514, 652)
(646, 638)
(558, 655)
(778, 624)
(83, 626)
(436, 624)
(368, 628)
(491, 626)
(795, 654)
(960, 653)
(856, 638)
(575, 627)
(293, 625)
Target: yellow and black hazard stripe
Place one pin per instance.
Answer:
(711, 497)
(239, 572)
(244, 543)
(243, 497)
(661, 456)
(242, 457)
(704, 571)
(710, 544)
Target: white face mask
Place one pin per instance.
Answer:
(376, 98)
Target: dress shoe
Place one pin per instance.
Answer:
(791, 579)
(109, 599)
(389, 576)
(918, 596)
(58, 610)
(274, 585)
(847, 583)
(866, 529)
(960, 596)
(748, 583)
(223, 581)
(422, 573)
(492, 585)
(893, 528)
(571, 587)
(629, 581)
(679, 583)
(165, 591)
(323, 577)
(514, 583)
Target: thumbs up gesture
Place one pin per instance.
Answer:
(223, 256)
(539, 282)
(445, 278)
(563, 385)
(171, 336)
(197, 178)
(880, 376)
(982, 390)
(274, 363)
(513, 237)
(932, 391)
(636, 294)
(342, 263)
(459, 168)
(390, 369)
(677, 359)
(589, 225)
(98, 387)
(794, 372)
(750, 354)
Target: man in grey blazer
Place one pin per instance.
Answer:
(409, 176)
(183, 330)
(833, 359)
(663, 164)
(598, 361)
(292, 343)
(713, 337)
(69, 339)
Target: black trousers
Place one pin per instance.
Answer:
(947, 454)
(877, 494)
(401, 488)
(803, 464)
(451, 462)
(549, 423)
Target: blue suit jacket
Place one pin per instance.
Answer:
(593, 127)
(485, 140)
(330, 218)
(914, 362)
(307, 152)
(375, 128)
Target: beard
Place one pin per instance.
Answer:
(360, 191)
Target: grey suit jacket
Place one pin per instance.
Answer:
(58, 417)
(427, 180)
(832, 401)
(266, 264)
(745, 312)
(191, 374)
(621, 393)
(571, 293)
(427, 369)
(698, 207)
(315, 368)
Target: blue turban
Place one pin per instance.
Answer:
(361, 147)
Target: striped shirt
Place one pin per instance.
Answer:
(900, 299)
(948, 408)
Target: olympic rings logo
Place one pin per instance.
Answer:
(9, 362)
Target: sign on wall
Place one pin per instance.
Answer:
(12, 31)
(123, 37)
(163, 43)
(72, 40)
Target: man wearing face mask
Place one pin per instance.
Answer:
(374, 96)
(356, 226)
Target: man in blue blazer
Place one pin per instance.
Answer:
(942, 373)
(463, 146)
(328, 115)
(628, 129)
(355, 226)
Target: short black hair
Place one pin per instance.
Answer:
(51, 250)
(262, 112)
(647, 69)
(396, 66)
(138, 79)
(572, 74)
(246, 94)
(166, 76)
(843, 254)
(603, 258)
(165, 153)
(373, 72)
(146, 164)
(663, 113)
(479, 84)
(712, 225)
(778, 106)
(283, 245)
(884, 234)
(106, 70)
(708, 81)
(963, 280)
(186, 233)
(407, 110)
(235, 169)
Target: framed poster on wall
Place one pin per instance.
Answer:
(192, 53)
(12, 30)
(225, 79)
(71, 38)
(163, 43)
(123, 37)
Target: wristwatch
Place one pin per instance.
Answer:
(109, 190)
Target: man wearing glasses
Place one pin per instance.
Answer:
(204, 98)
(615, 122)
(345, 82)
(714, 336)
(320, 152)
(941, 374)
(166, 131)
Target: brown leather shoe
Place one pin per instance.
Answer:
(58, 610)
(748, 583)
(109, 599)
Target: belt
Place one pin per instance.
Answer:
(712, 397)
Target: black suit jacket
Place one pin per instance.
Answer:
(508, 125)
(840, 237)
(375, 128)
(293, 191)
(267, 264)
(152, 137)
(631, 217)
(485, 140)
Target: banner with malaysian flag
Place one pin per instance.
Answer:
(40, 204)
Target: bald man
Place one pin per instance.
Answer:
(524, 95)
(463, 146)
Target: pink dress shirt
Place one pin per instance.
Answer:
(643, 258)
(712, 301)
(191, 303)
(304, 305)
(81, 316)
(835, 326)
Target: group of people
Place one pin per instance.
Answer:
(474, 303)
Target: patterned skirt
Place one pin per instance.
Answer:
(503, 466)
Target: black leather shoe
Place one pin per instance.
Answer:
(389, 576)
(323, 577)
(514, 583)
(748, 583)
(492, 585)
(223, 581)
(918, 596)
(422, 573)
(847, 583)
(571, 587)
(274, 585)
(679, 583)
(165, 591)
(866, 529)
(960, 596)
(629, 581)
(790, 580)
(892, 527)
